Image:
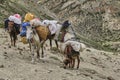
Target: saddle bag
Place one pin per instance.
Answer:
(43, 32)
(24, 40)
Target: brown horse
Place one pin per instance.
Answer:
(71, 55)
(44, 34)
(71, 49)
(12, 32)
(36, 38)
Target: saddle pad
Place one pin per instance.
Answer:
(42, 32)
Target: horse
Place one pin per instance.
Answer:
(54, 29)
(67, 48)
(34, 43)
(12, 32)
(44, 33)
(37, 35)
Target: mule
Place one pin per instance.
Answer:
(34, 43)
(68, 47)
(43, 35)
(12, 32)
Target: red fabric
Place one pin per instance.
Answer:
(17, 16)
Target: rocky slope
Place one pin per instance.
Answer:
(91, 21)
(15, 64)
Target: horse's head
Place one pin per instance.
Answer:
(10, 26)
(66, 32)
(65, 36)
(29, 33)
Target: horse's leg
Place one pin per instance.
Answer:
(78, 59)
(15, 37)
(50, 43)
(56, 43)
(70, 64)
(29, 45)
(32, 53)
(73, 63)
(11, 39)
(38, 54)
(42, 52)
(42, 45)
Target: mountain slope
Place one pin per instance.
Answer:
(15, 64)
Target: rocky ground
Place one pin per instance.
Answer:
(15, 64)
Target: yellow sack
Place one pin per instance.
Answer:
(43, 32)
(24, 40)
(28, 17)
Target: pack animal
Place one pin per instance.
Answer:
(68, 49)
(12, 32)
(34, 43)
(44, 33)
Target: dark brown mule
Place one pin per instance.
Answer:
(71, 55)
(12, 33)
(44, 34)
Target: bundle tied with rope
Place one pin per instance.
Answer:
(28, 16)
(24, 40)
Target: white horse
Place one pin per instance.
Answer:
(34, 43)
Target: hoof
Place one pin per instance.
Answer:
(33, 61)
(42, 56)
(38, 59)
(64, 67)
(77, 67)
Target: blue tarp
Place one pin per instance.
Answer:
(24, 29)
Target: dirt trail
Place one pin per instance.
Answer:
(15, 64)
